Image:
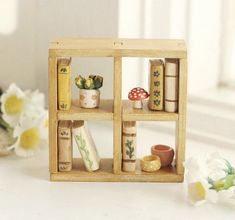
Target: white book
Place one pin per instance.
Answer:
(86, 146)
(171, 84)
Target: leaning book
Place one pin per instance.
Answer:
(86, 146)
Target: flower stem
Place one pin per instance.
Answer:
(4, 125)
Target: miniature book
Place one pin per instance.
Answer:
(171, 84)
(64, 83)
(86, 146)
(129, 146)
(65, 145)
(156, 84)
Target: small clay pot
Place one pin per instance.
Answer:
(165, 153)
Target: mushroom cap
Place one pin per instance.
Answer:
(137, 93)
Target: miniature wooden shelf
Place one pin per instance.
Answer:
(104, 112)
(130, 114)
(117, 110)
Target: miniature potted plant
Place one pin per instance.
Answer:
(89, 96)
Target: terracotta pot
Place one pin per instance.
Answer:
(89, 98)
(165, 153)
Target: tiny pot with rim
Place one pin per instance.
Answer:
(165, 153)
(89, 98)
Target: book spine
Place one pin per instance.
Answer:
(156, 85)
(64, 85)
(86, 147)
(65, 148)
(171, 84)
(129, 146)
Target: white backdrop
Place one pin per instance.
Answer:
(27, 26)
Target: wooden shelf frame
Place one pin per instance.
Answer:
(117, 110)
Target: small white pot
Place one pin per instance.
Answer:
(89, 98)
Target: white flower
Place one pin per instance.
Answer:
(13, 104)
(216, 167)
(209, 179)
(227, 196)
(35, 99)
(31, 133)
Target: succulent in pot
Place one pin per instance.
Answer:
(89, 96)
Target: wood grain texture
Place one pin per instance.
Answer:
(53, 151)
(105, 173)
(117, 123)
(131, 114)
(107, 47)
(104, 112)
(181, 123)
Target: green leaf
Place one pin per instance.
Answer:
(89, 84)
(91, 76)
(80, 82)
(98, 81)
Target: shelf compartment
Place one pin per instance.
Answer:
(79, 172)
(104, 112)
(105, 173)
(130, 114)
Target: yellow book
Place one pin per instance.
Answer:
(64, 83)
(156, 84)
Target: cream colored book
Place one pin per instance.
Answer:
(129, 146)
(171, 84)
(65, 145)
(86, 146)
(64, 83)
(156, 84)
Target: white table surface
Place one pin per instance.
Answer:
(26, 192)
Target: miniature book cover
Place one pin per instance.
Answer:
(65, 145)
(171, 84)
(129, 146)
(64, 83)
(86, 146)
(156, 84)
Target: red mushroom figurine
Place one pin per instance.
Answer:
(137, 95)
